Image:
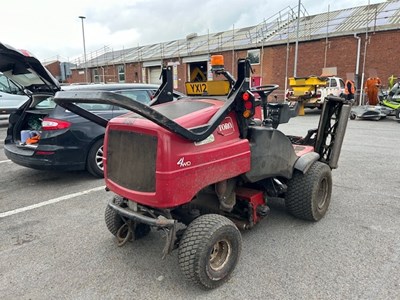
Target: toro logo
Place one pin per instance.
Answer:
(226, 127)
(182, 163)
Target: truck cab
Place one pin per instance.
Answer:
(334, 86)
(311, 91)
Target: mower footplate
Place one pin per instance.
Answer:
(160, 221)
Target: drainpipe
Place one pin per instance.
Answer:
(356, 77)
(364, 59)
(104, 75)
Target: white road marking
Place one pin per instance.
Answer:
(4, 161)
(51, 201)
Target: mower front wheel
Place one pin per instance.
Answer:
(209, 250)
(308, 195)
(114, 222)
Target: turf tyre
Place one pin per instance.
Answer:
(209, 250)
(308, 195)
(397, 114)
(114, 221)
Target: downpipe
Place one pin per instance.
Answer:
(356, 77)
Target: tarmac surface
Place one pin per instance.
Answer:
(54, 243)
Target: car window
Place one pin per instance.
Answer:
(46, 103)
(137, 95)
(142, 96)
(49, 103)
(8, 86)
(95, 107)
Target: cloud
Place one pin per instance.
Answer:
(49, 28)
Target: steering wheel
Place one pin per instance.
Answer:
(269, 88)
(264, 91)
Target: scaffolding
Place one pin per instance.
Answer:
(280, 28)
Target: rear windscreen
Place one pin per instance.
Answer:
(43, 102)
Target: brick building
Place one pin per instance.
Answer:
(358, 42)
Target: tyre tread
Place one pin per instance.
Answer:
(300, 192)
(197, 234)
(112, 219)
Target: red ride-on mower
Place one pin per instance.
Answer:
(202, 168)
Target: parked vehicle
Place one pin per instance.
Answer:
(43, 135)
(312, 90)
(387, 106)
(12, 95)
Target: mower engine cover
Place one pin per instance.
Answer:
(142, 160)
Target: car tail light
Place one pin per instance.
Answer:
(54, 124)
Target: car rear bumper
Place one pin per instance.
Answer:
(29, 158)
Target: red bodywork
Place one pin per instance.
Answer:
(195, 164)
(256, 199)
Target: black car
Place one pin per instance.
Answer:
(43, 135)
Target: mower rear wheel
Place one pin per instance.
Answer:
(114, 221)
(397, 114)
(209, 250)
(308, 195)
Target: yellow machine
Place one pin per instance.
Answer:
(305, 90)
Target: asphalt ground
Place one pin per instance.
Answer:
(54, 243)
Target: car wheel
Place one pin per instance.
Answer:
(209, 250)
(94, 162)
(308, 195)
(352, 116)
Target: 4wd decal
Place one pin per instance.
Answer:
(226, 127)
(182, 163)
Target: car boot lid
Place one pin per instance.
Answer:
(26, 70)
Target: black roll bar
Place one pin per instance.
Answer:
(164, 92)
(67, 99)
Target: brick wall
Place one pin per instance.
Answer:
(54, 69)
(340, 52)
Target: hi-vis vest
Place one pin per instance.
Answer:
(352, 90)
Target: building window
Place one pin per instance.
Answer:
(254, 56)
(121, 73)
(96, 76)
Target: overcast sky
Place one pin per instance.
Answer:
(51, 28)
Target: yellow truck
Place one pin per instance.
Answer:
(312, 90)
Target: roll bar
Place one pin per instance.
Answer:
(67, 99)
